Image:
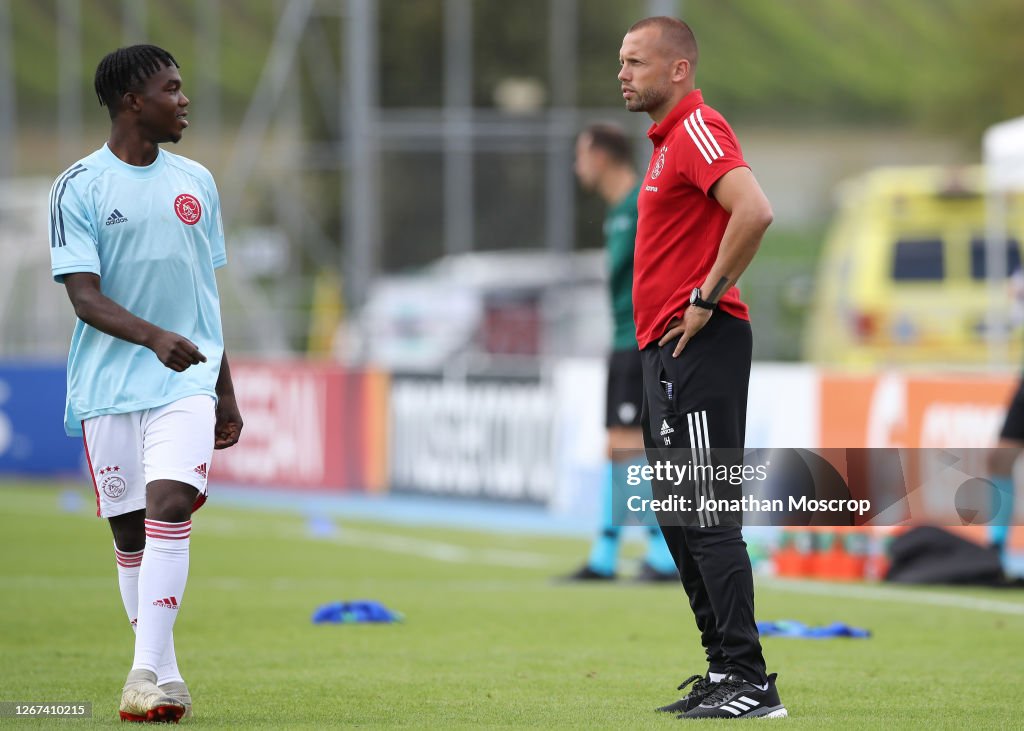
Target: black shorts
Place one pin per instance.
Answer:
(625, 389)
(697, 403)
(1013, 426)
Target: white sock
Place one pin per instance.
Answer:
(128, 563)
(162, 578)
(168, 671)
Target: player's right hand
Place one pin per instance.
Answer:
(176, 351)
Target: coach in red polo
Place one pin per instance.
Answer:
(701, 218)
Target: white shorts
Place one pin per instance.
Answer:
(128, 451)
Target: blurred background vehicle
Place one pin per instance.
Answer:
(489, 312)
(904, 273)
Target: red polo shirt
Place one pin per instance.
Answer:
(680, 226)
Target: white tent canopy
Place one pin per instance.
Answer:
(1003, 155)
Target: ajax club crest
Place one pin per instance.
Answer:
(112, 484)
(188, 209)
(659, 164)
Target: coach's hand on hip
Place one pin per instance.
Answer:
(694, 318)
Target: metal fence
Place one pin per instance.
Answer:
(315, 174)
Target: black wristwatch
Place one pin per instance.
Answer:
(695, 299)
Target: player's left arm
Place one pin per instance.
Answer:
(750, 214)
(229, 418)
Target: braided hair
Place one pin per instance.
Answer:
(124, 69)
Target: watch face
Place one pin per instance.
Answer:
(694, 295)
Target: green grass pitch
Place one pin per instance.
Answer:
(488, 640)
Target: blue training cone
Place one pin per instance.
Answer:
(321, 526)
(360, 611)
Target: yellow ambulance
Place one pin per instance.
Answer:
(903, 278)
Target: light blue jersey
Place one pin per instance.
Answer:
(154, 236)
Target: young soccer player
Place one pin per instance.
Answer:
(1001, 461)
(604, 164)
(135, 237)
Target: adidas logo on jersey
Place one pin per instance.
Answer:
(201, 470)
(665, 428)
(168, 603)
(116, 217)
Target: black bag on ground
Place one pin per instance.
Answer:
(929, 555)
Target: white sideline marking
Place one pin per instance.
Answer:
(440, 551)
(279, 583)
(405, 545)
(436, 550)
(893, 594)
(36, 581)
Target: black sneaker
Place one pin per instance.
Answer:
(650, 575)
(697, 693)
(585, 573)
(736, 698)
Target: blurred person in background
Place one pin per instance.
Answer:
(1002, 459)
(135, 237)
(604, 165)
(701, 218)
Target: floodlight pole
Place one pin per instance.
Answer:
(133, 22)
(1003, 153)
(264, 320)
(69, 99)
(8, 118)
(996, 237)
(361, 194)
(457, 127)
(671, 8)
(560, 217)
(208, 40)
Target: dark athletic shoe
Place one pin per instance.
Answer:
(697, 693)
(650, 575)
(585, 573)
(736, 698)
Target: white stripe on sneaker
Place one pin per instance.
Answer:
(741, 706)
(730, 709)
(747, 700)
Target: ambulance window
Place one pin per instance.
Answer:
(979, 268)
(918, 260)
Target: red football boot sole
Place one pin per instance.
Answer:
(160, 714)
